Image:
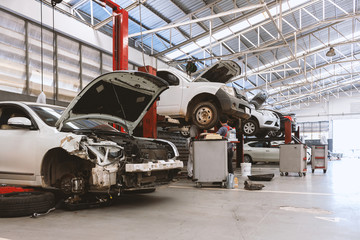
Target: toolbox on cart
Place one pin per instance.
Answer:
(293, 159)
(210, 161)
(319, 159)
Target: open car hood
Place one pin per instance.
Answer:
(121, 97)
(259, 99)
(221, 72)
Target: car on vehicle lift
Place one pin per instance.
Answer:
(262, 121)
(283, 118)
(201, 101)
(76, 152)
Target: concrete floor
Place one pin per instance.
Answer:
(318, 206)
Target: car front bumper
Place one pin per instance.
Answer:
(160, 165)
(233, 106)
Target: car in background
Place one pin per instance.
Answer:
(283, 118)
(76, 152)
(266, 151)
(262, 121)
(201, 101)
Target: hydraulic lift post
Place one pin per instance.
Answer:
(120, 39)
(288, 137)
(121, 56)
(150, 118)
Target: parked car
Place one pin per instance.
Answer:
(76, 151)
(266, 151)
(201, 101)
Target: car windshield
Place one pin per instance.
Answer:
(50, 115)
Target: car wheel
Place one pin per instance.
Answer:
(250, 127)
(247, 159)
(18, 204)
(205, 115)
(272, 133)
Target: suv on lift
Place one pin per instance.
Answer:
(201, 101)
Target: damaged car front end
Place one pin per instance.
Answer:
(78, 152)
(115, 162)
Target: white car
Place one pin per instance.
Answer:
(265, 151)
(262, 121)
(203, 100)
(75, 151)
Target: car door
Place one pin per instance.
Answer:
(257, 151)
(170, 100)
(17, 146)
(272, 152)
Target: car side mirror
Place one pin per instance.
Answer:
(21, 122)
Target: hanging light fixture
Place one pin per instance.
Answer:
(331, 52)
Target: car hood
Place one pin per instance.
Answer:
(221, 72)
(121, 97)
(259, 99)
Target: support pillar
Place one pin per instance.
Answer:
(288, 137)
(120, 40)
(239, 145)
(150, 118)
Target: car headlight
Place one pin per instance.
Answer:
(229, 90)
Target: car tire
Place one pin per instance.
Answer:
(205, 115)
(18, 204)
(250, 127)
(272, 134)
(247, 159)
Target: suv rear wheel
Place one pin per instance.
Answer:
(205, 115)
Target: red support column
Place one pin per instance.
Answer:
(120, 40)
(150, 118)
(288, 137)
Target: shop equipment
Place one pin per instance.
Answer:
(293, 159)
(210, 161)
(319, 159)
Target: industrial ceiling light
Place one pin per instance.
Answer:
(331, 52)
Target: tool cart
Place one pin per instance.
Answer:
(210, 161)
(319, 159)
(293, 159)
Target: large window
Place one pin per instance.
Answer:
(314, 130)
(12, 53)
(62, 77)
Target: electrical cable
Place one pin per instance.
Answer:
(54, 55)
(41, 48)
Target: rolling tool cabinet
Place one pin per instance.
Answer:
(319, 159)
(293, 159)
(210, 161)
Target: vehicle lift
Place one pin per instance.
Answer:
(241, 140)
(120, 60)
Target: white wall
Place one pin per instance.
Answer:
(69, 26)
(344, 107)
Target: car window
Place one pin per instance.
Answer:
(50, 115)
(169, 77)
(257, 144)
(7, 112)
